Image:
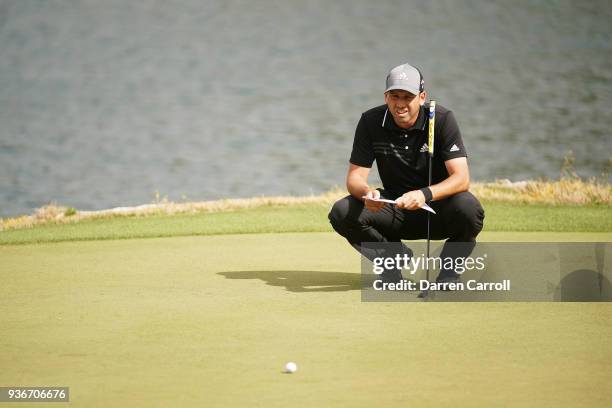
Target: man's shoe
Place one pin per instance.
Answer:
(456, 278)
(392, 276)
(424, 294)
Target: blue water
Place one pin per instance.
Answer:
(103, 103)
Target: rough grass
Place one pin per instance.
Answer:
(568, 191)
(298, 218)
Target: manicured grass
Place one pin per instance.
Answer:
(212, 320)
(299, 218)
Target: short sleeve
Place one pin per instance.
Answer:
(362, 154)
(450, 141)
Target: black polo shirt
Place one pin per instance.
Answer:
(401, 154)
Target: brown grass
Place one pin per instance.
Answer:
(570, 190)
(563, 192)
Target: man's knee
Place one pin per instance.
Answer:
(343, 212)
(468, 211)
(339, 211)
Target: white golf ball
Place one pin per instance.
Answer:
(291, 367)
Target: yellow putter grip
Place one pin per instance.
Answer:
(432, 124)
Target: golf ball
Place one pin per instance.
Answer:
(291, 367)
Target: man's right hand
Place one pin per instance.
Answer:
(373, 206)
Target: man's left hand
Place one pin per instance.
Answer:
(412, 200)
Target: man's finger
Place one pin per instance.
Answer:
(373, 205)
(373, 194)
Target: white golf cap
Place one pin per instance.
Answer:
(407, 78)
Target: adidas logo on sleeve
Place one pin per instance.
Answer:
(454, 148)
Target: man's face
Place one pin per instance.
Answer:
(404, 106)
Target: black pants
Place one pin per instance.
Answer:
(458, 219)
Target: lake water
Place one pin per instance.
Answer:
(103, 103)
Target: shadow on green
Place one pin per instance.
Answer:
(302, 281)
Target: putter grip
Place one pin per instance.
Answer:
(432, 124)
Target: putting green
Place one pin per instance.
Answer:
(211, 321)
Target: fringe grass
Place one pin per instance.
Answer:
(570, 190)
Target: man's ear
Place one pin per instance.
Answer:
(423, 97)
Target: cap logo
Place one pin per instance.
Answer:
(403, 75)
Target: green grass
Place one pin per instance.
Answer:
(300, 218)
(211, 321)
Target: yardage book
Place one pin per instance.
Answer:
(384, 200)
